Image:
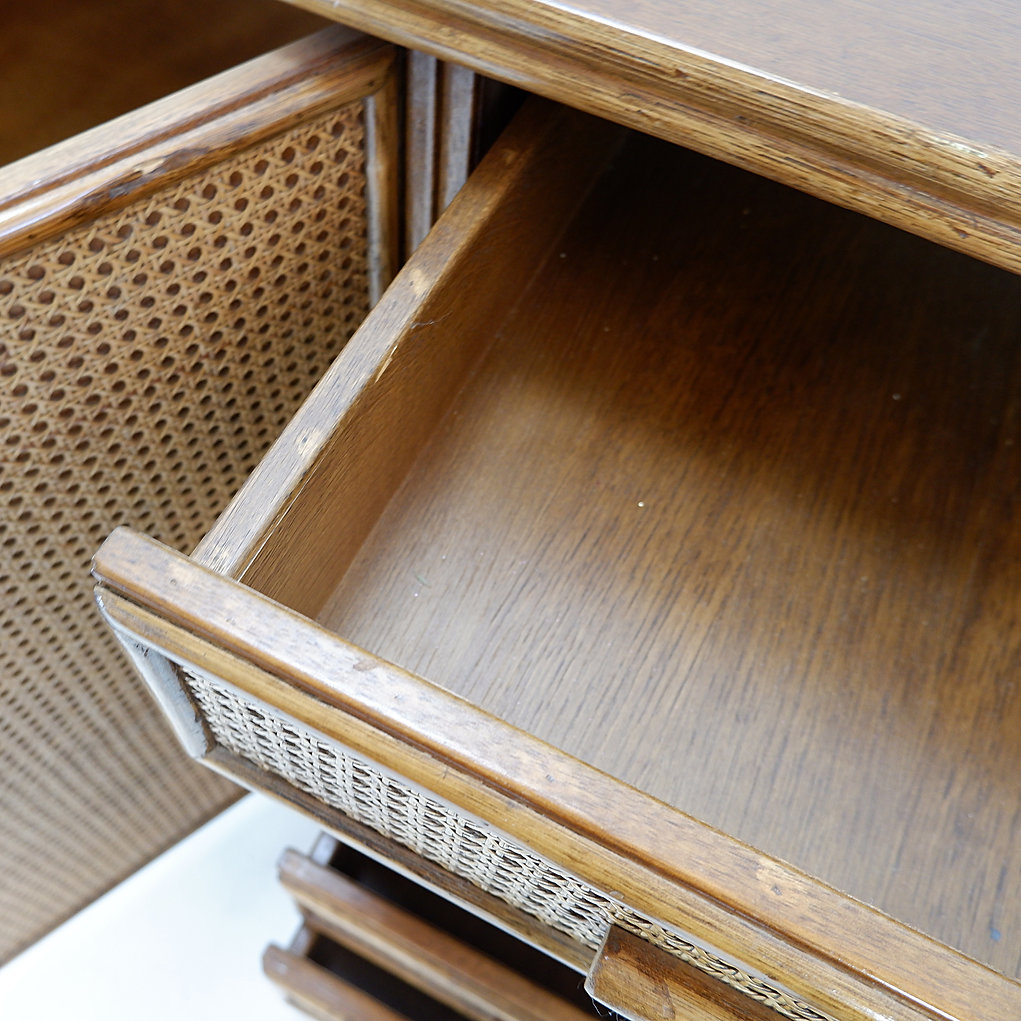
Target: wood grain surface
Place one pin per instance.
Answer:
(730, 513)
(834, 952)
(71, 66)
(903, 111)
(641, 982)
(950, 66)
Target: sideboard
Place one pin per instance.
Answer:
(644, 572)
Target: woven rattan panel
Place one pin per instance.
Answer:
(468, 848)
(147, 360)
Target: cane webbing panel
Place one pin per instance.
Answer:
(147, 360)
(467, 847)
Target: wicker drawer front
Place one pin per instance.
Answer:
(394, 809)
(171, 287)
(486, 413)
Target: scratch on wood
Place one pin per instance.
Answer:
(385, 364)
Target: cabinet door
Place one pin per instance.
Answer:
(172, 284)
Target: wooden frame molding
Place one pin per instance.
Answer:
(421, 954)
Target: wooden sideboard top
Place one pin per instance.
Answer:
(901, 111)
(949, 67)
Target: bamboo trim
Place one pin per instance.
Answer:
(457, 105)
(423, 72)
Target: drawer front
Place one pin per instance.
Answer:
(171, 287)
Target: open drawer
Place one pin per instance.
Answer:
(656, 530)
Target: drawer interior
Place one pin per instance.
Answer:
(726, 506)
